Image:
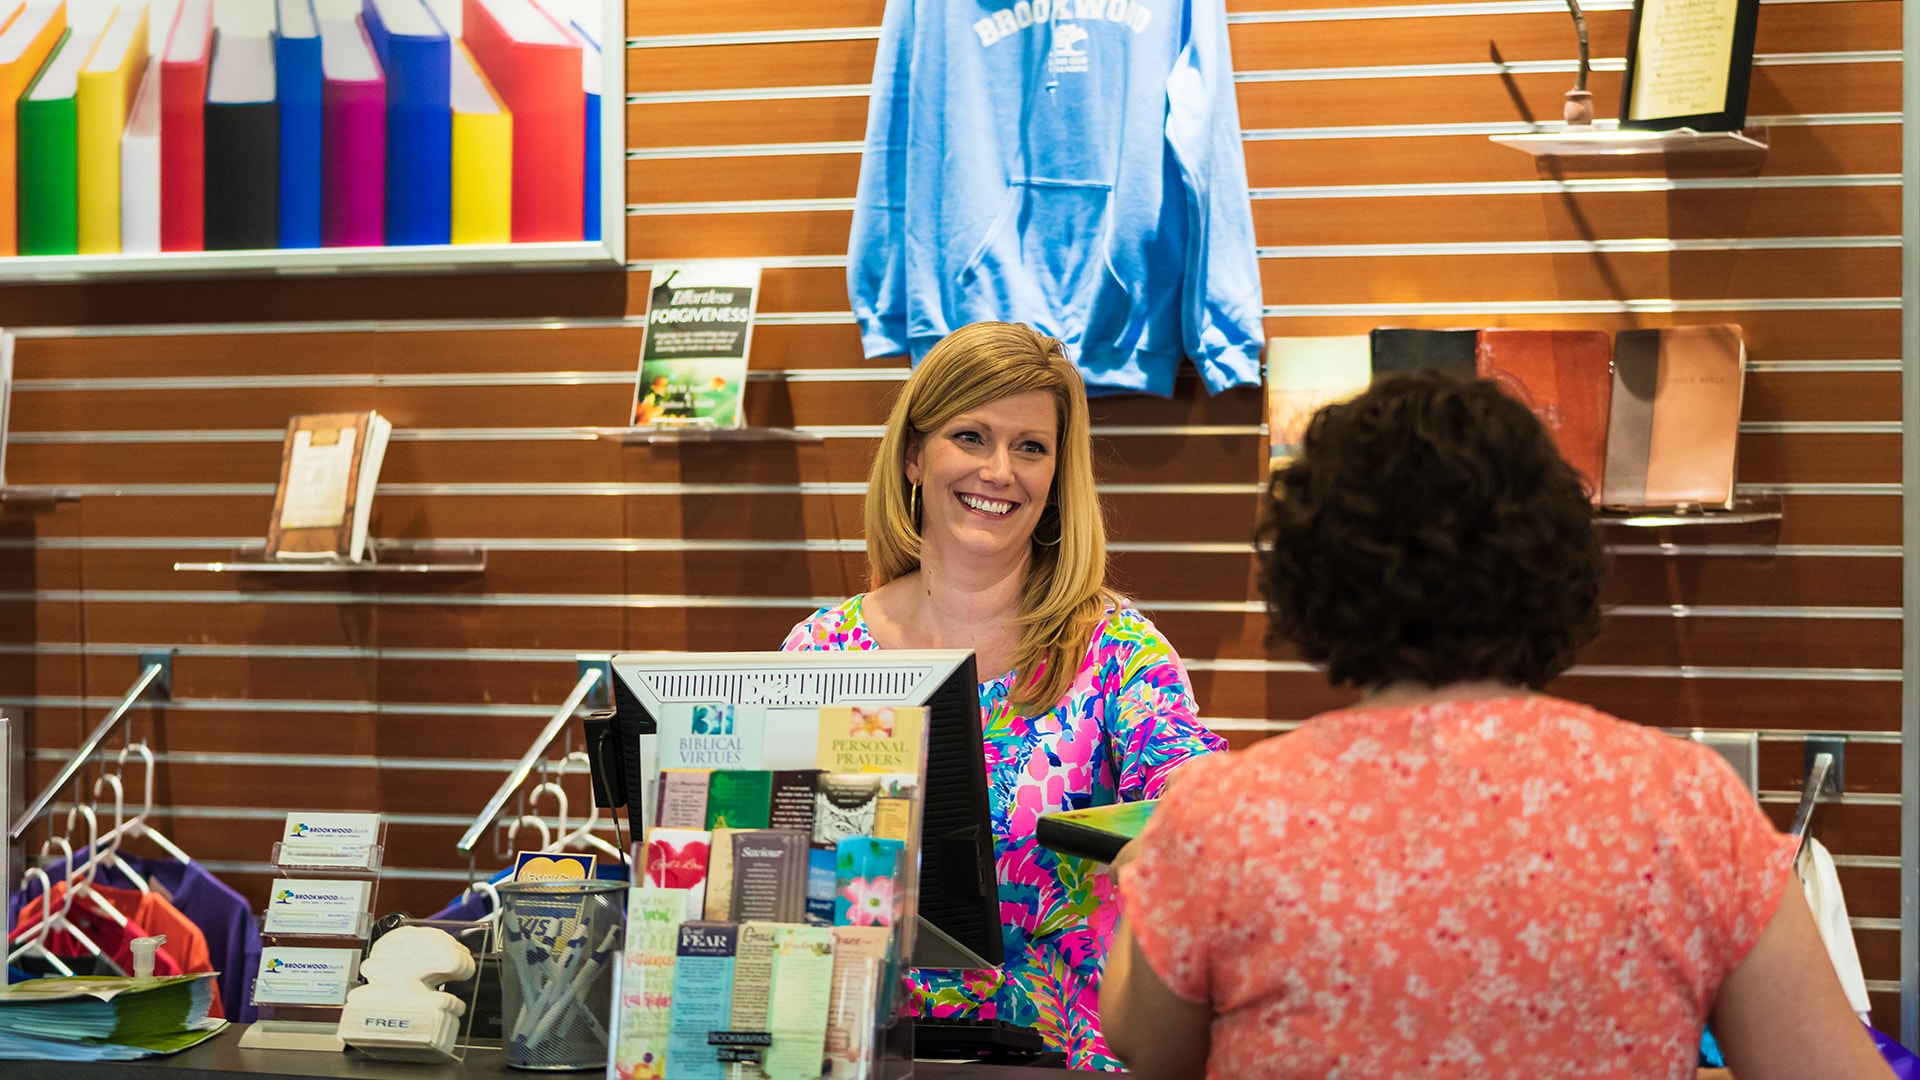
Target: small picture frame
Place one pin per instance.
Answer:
(1689, 64)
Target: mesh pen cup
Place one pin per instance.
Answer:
(561, 942)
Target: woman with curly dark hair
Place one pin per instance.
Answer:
(1459, 876)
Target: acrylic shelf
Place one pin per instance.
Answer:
(1747, 510)
(1616, 142)
(651, 435)
(29, 494)
(387, 559)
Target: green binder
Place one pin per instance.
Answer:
(49, 171)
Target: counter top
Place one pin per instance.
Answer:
(222, 1058)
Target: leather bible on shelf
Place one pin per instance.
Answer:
(1566, 378)
(1674, 424)
(328, 469)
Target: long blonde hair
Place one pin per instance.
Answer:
(1065, 593)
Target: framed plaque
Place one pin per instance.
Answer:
(1688, 64)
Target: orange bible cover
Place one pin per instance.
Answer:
(1566, 378)
(329, 465)
(1675, 419)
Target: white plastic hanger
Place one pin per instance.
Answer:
(513, 830)
(80, 879)
(138, 827)
(107, 851)
(560, 821)
(584, 835)
(35, 941)
(56, 918)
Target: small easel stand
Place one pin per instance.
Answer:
(314, 932)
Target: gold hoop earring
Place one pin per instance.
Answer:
(913, 508)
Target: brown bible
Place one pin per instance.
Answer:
(1675, 419)
(1566, 378)
(329, 465)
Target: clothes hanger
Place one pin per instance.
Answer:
(53, 918)
(107, 849)
(34, 942)
(80, 879)
(584, 835)
(559, 794)
(513, 830)
(139, 826)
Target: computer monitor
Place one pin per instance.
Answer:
(958, 921)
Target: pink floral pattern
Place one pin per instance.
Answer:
(1520, 887)
(1124, 724)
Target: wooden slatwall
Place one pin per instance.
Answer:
(1378, 201)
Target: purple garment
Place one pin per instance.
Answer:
(223, 916)
(1902, 1061)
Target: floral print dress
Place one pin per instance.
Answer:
(1508, 888)
(1125, 723)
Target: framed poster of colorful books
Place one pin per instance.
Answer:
(208, 137)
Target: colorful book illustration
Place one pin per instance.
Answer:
(1097, 832)
(103, 96)
(353, 141)
(1304, 375)
(482, 156)
(535, 65)
(683, 798)
(1396, 350)
(1674, 422)
(677, 859)
(28, 40)
(740, 799)
(769, 875)
(711, 736)
(300, 84)
(646, 984)
(585, 29)
(140, 170)
(243, 144)
(872, 738)
(702, 998)
(1566, 378)
(415, 53)
(862, 978)
(184, 61)
(867, 873)
(49, 165)
(797, 1009)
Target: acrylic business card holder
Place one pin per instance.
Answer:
(284, 1025)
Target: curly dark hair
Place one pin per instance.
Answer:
(1429, 531)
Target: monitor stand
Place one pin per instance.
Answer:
(935, 948)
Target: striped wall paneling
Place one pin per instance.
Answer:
(1378, 199)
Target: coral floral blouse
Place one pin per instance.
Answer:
(1516, 887)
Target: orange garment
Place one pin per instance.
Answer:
(114, 940)
(184, 939)
(1518, 887)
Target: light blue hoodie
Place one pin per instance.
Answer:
(1070, 164)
